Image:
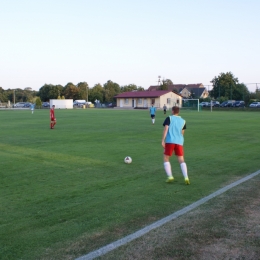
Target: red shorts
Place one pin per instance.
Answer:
(169, 148)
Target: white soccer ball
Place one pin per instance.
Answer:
(128, 159)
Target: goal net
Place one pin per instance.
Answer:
(190, 104)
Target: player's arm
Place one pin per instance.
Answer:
(165, 130)
(183, 129)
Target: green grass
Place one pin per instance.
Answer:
(66, 192)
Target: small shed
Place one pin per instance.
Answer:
(62, 103)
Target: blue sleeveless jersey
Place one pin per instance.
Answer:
(174, 134)
(152, 110)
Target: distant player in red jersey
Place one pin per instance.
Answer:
(52, 117)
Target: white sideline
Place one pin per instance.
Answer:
(141, 232)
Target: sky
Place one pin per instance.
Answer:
(128, 42)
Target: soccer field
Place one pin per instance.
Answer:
(67, 191)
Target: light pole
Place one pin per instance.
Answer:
(231, 91)
(87, 92)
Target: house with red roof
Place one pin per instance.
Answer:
(186, 90)
(144, 99)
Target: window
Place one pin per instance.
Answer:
(178, 101)
(153, 100)
(168, 101)
(140, 101)
(126, 100)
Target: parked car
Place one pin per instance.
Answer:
(255, 104)
(27, 104)
(230, 103)
(224, 104)
(19, 104)
(239, 104)
(111, 105)
(45, 104)
(79, 103)
(213, 104)
(204, 104)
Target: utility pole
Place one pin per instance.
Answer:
(159, 80)
(87, 92)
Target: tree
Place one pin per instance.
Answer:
(140, 89)
(111, 89)
(165, 84)
(38, 102)
(83, 90)
(97, 93)
(49, 91)
(227, 86)
(70, 91)
(3, 95)
(130, 87)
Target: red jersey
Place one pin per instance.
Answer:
(52, 116)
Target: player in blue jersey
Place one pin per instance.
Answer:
(172, 141)
(152, 113)
(32, 107)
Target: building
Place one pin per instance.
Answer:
(144, 99)
(186, 90)
(194, 92)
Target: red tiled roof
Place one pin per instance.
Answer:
(143, 94)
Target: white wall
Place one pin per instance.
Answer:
(62, 103)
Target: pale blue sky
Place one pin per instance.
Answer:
(127, 41)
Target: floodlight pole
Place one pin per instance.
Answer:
(159, 80)
(87, 92)
(231, 92)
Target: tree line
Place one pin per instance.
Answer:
(105, 93)
(225, 86)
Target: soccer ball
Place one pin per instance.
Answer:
(128, 159)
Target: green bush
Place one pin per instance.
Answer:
(38, 103)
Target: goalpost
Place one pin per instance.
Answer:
(191, 104)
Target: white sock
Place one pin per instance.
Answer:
(153, 120)
(184, 170)
(168, 169)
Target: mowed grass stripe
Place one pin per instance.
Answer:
(55, 203)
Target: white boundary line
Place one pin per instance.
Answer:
(141, 232)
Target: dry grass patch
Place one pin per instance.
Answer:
(227, 227)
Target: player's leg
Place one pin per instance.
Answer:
(180, 157)
(153, 119)
(52, 124)
(167, 165)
